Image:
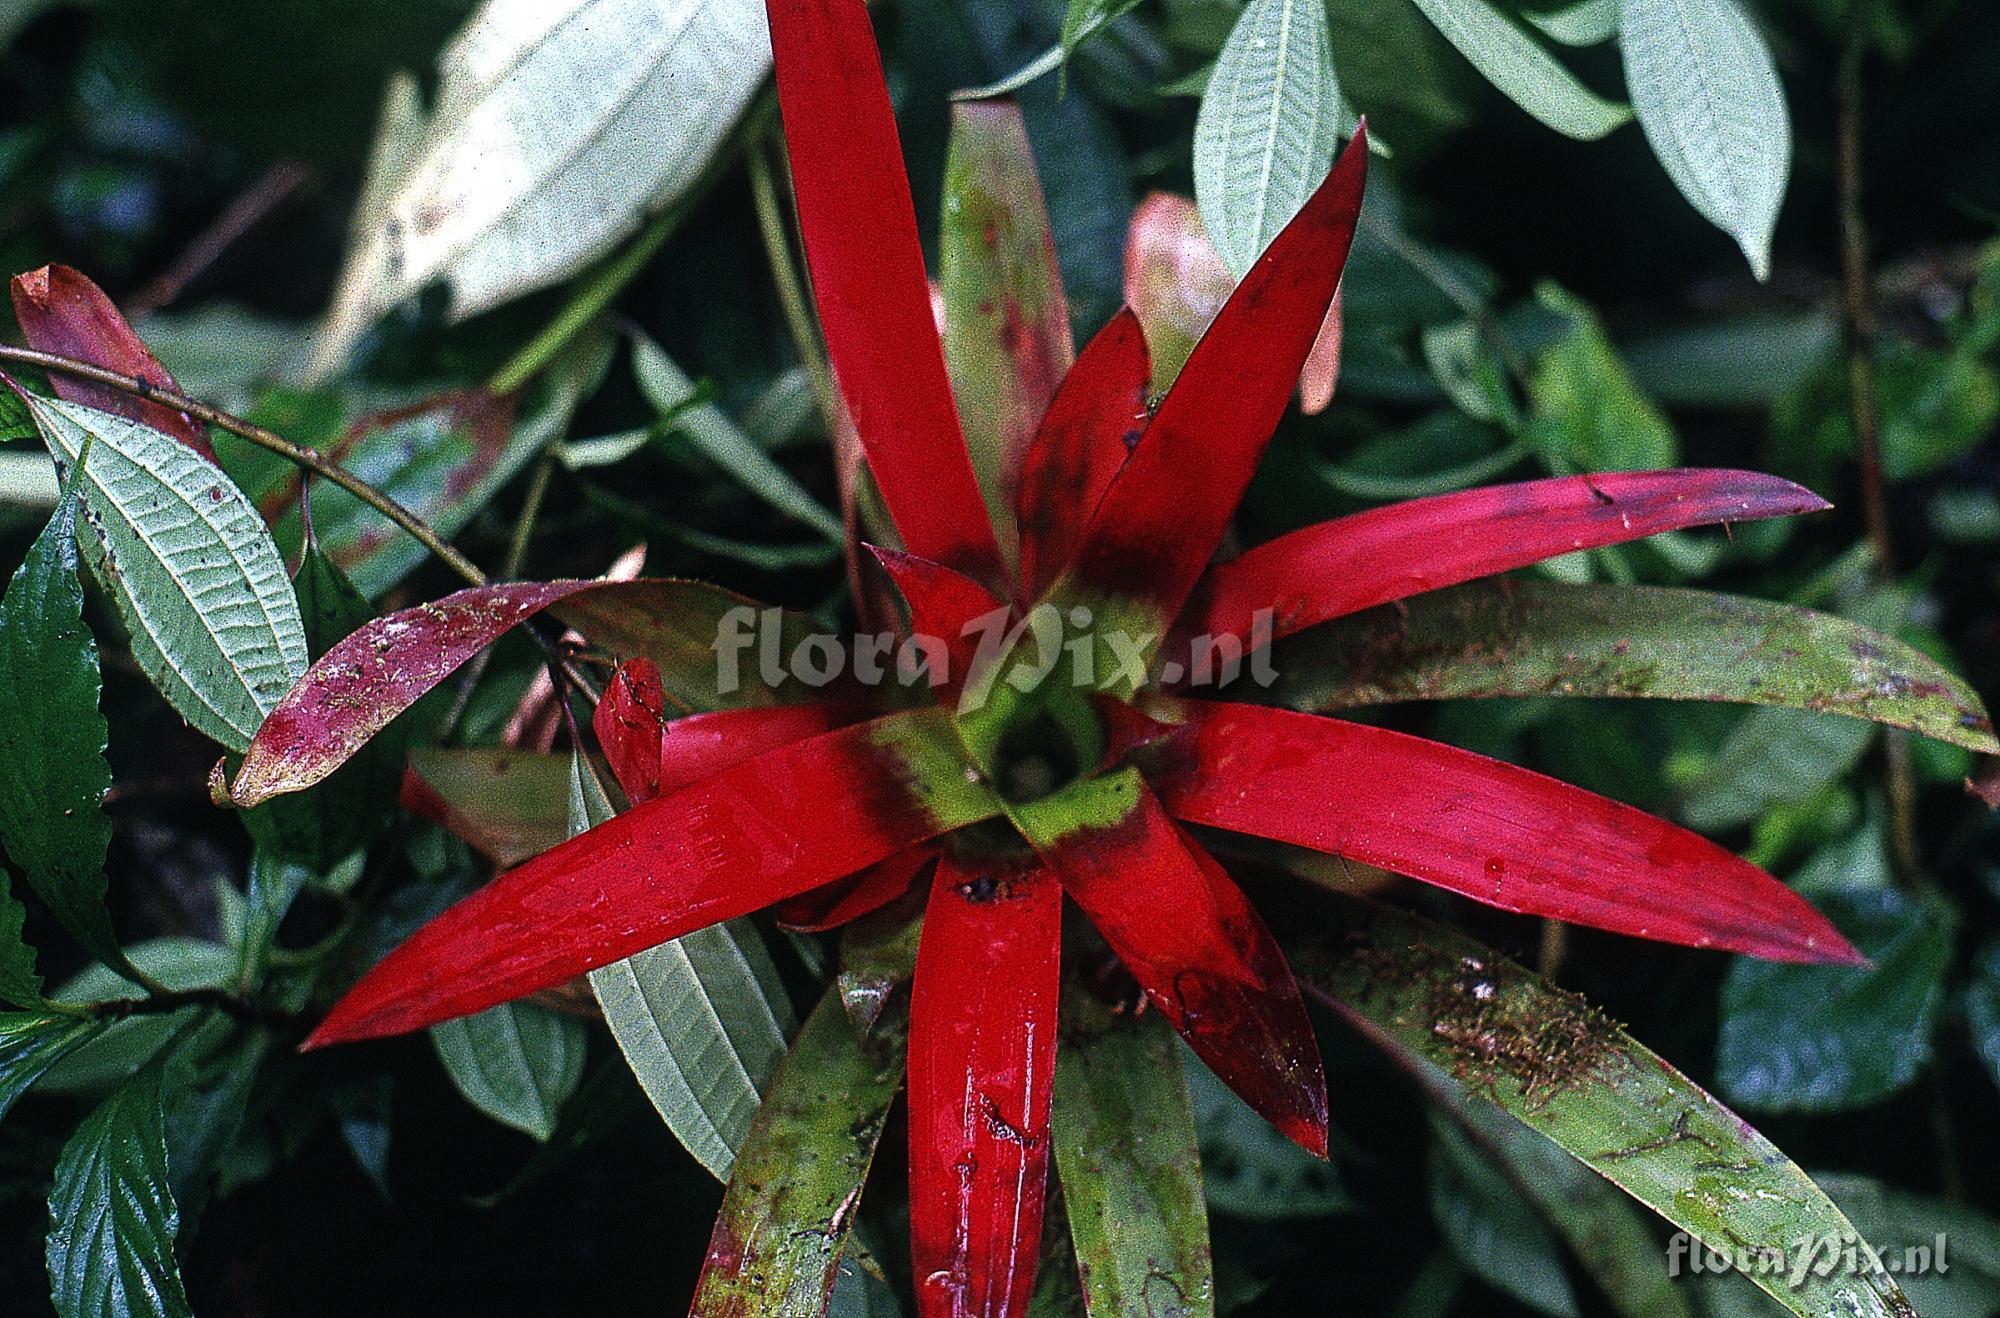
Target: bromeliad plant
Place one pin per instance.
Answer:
(1070, 765)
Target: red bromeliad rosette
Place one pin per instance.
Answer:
(1021, 786)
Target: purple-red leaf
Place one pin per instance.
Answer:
(63, 312)
(701, 745)
(848, 899)
(1162, 518)
(943, 607)
(753, 834)
(358, 687)
(1091, 427)
(630, 722)
(1205, 958)
(1405, 549)
(860, 234)
(982, 1069)
(1490, 831)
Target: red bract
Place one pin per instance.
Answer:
(1025, 784)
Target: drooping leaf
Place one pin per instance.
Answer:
(1522, 70)
(790, 1204)
(1830, 1039)
(867, 269)
(359, 686)
(30, 1043)
(1705, 91)
(1154, 530)
(1537, 638)
(1478, 1212)
(1006, 326)
(1268, 126)
(523, 174)
(751, 835)
(718, 439)
(982, 1053)
(1486, 830)
(1131, 1173)
(516, 1062)
(1570, 1074)
(61, 311)
(194, 574)
(112, 1215)
(1404, 549)
(53, 776)
(320, 827)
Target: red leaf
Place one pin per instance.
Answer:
(1384, 554)
(702, 745)
(629, 721)
(868, 278)
(981, 1070)
(1205, 958)
(1480, 828)
(943, 606)
(1161, 520)
(1091, 427)
(753, 834)
(857, 895)
(63, 312)
(358, 687)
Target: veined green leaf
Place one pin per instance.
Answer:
(53, 776)
(524, 173)
(516, 1062)
(718, 439)
(1833, 1038)
(117, 1050)
(112, 1216)
(1131, 1171)
(789, 1208)
(191, 568)
(1702, 82)
(702, 1020)
(30, 1043)
(1522, 637)
(1528, 75)
(1268, 126)
(1585, 23)
(1570, 1074)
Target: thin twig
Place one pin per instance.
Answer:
(308, 458)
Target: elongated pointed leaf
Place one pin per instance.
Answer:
(1155, 530)
(790, 1205)
(700, 746)
(630, 723)
(53, 775)
(1538, 638)
(30, 1043)
(1384, 554)
(1090, 428)
(1131, 1172)
(1268, 126)
(868, 279)
(851, 898)
(360, 685)
(516, 1062)
(682, 625)
(749, 836)
(1480, 828)
(1006, 325)
(188, 562)
(61, 311)
(1706, 93)
(1522, 70)
(1204, 957)
(1570, 1074)
(981, 1064)
(946, 610)
(112, 1216)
